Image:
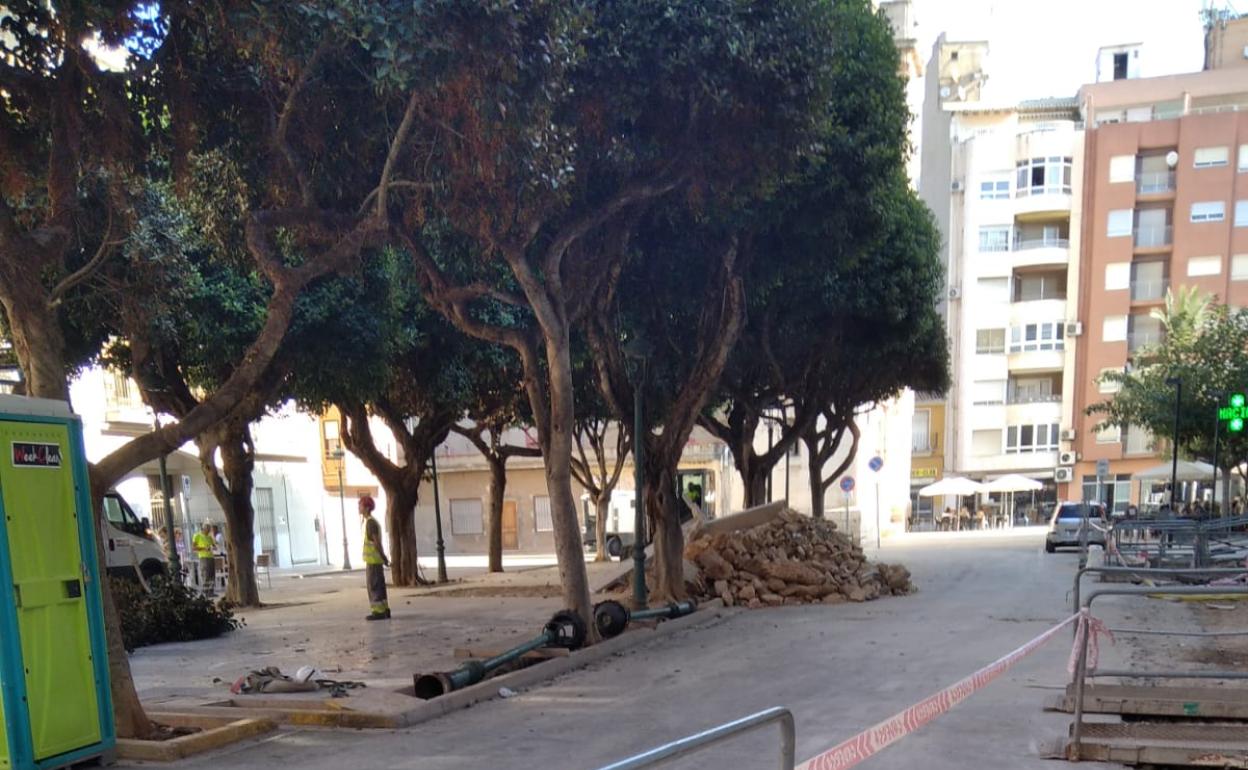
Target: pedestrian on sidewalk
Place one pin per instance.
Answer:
(204, 548)
(375, 562)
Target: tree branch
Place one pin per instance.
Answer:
(83, 273)
(280, 138)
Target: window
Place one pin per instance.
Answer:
(994, 289)
(1241, 213)
(1104, 385)
(994, 189)
(1208, 211)
(1038, 336)
(333, 442)
(1039, 176)
(1114, 492)
(985, 443)
(1149, 280)
(921, 431)
(1120, 221)
(1107, 434)
(1117, 276)
(1122, 168)
(1143, 331)
(1114, 329)
(1198, 266)
(1034, 390)
(1211, 157)
(1021, 439)
(1138, 441)
(466, 517)
(1239, 267)
(541, 514)
(1035, 286)
(988, 392)
(1120, 66)
(1243, 157)
(994, 238)
(989, 341)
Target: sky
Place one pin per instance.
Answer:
(1040, 48)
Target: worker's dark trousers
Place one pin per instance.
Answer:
(375, 576)
(208, 575)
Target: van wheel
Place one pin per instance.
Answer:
(1050, 548)
(151, 569)
(615, 547)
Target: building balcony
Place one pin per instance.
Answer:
(1033, 398)
(1032, 252)
(1149, 291)
(1153, 236)
(925, 445)
(1042, 200)
(1154, 183)
(1138, 340)
(1034, 413)
(1012, 463)
(1037, 361)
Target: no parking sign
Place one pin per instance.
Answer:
(847, 484)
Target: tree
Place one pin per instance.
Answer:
(584, 118)
(496, 404)
(1203, 347)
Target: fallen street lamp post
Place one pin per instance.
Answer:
(637, 350)
(611, 617)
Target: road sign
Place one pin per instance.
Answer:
(847, 484)
(1102, 468)
(876, 463)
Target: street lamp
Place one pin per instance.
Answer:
(1177, 382)
(1217, 424)
(339, 455)
(171, 542)
(437, 517)
(637, 350)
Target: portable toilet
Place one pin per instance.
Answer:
(54, 689)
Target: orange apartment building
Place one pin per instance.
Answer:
(1165, 201)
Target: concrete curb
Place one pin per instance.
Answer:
(709, 614)
(216, 733)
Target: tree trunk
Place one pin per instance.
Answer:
(754, 476)
(602, 506)
(401, 502)
(128, 714)
(814, 474)
(663, 508)
(498, 486)
(558, 465)
(35, 332)
(232, 487)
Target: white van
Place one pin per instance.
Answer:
(128, 543)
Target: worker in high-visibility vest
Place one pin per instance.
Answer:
(203, 546)
(375, 562)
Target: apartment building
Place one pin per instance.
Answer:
(1166, 205)
(1004, 186)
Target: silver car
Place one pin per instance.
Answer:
(1065, 528)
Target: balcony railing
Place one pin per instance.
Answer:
(924, 444)
(1148, 236)
(1034, 398)
(1043, 242)
(1053, 189)
(1149, 290)
(1153, 182)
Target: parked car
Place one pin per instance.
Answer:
(1066, 525)
(128, 541)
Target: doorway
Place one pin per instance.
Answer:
(511, 531)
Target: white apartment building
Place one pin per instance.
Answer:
(1004, 181)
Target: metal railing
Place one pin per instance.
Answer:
(930, 445)
(1149, 573)
(1023, 244)
(1152, 289)
(1034, 398)
(1153, 182)
(1150, 236)
(1082, 673)
(699, 741)
(1137, 340)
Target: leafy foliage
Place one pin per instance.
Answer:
(172, 612)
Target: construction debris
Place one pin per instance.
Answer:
(792, 559)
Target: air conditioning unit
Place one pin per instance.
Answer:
(1068, 434)
(956, 186)
(1074, 328)
(1063, 475)
(954, 292)
(1067, 458)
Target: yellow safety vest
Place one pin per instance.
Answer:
(202, 545)
(371, 553)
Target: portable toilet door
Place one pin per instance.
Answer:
(54, 691)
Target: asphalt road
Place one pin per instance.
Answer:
(840, 669)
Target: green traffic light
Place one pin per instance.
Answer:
(1236, 425)
(1237, 400)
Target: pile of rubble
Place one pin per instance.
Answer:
(792, 559)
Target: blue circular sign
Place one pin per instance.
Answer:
(847, 484)
(876, 463)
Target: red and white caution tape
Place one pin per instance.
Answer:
(1097, 629)
(875, 739)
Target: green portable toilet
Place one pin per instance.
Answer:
(54, 692)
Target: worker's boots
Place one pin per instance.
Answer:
(379, 616)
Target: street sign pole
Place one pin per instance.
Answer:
(876, 464)
(847, 486)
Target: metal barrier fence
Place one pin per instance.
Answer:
(698, 741)
(1082, 674)
(1178, 542)
(1159, 572)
